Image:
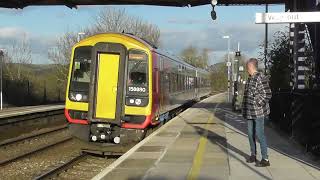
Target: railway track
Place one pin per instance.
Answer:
(39, 133)
(85, 165)
(83, 162)
(17, 121)
(30, 152)
(47, 161)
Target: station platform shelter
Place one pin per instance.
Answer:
(209, 141)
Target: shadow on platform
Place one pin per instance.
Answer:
(282, 146)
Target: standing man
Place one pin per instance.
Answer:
(256, 108)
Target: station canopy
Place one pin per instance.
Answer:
(179, 3)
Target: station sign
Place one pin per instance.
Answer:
(287, 17)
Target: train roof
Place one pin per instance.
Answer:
(163, 52)
(173, 57)
(154, 49)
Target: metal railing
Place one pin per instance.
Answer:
(297, 114)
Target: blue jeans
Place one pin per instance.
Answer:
(256, 128)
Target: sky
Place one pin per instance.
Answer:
(180, 27)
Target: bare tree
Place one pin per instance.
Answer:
(60, 55)
(204, 58)
(107, 20)
(16, 57)
(192, 56)
(118, 20)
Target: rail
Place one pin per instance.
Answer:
(38, 149)
(18, 139)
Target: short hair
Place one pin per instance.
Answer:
(253, 61)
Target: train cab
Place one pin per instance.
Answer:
(109, 87)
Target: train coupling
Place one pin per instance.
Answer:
(104, 133)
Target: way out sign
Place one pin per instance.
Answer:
(287, 17)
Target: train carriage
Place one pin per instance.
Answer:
(120, 85)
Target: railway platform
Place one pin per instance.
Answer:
(18, 111)
(209, 141)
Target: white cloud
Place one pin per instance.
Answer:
(249, 35)
(39, 44)
(12, 32)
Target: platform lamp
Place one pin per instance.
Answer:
(213, 12)
(228, 66)
(1, 71)
(79, 36)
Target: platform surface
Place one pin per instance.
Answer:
(209, 141)
(18, 111)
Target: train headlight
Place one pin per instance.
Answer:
(138, 102)
(78, 97)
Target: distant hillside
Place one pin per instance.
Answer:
(41, 68)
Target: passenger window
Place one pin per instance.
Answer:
(137, 72)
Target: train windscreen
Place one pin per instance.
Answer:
(137, 73)
(80, 77)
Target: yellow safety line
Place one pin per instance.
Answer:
(197, 160)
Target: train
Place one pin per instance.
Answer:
(119, 85)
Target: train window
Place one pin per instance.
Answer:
(137, 73)
(170, 83)
(187, 82)
(181, 82)
(195, 82)
(178, 82)
(80, 76)
(174, 82)
(192, 82)
(81, 67)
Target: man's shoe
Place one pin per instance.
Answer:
(263, 163)
(252, 159)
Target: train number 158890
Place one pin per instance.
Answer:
(137, 89)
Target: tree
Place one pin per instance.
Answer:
(118, 20)
(107, 20)
(203, 58)
(192, 56)
(16, 57)
(279, 61)
(219, 78)
(60, 55)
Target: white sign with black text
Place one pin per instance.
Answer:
(287, 17)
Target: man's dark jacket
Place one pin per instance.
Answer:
(256, 97)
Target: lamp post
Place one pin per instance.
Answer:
(228, 65)
(79, 35)
(1, 61)
(266, 43)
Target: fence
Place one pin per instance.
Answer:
(298, 114)
(23, 93)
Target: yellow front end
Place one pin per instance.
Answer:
(106, 82)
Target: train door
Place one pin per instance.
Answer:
(196, 86)
(107, 87)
